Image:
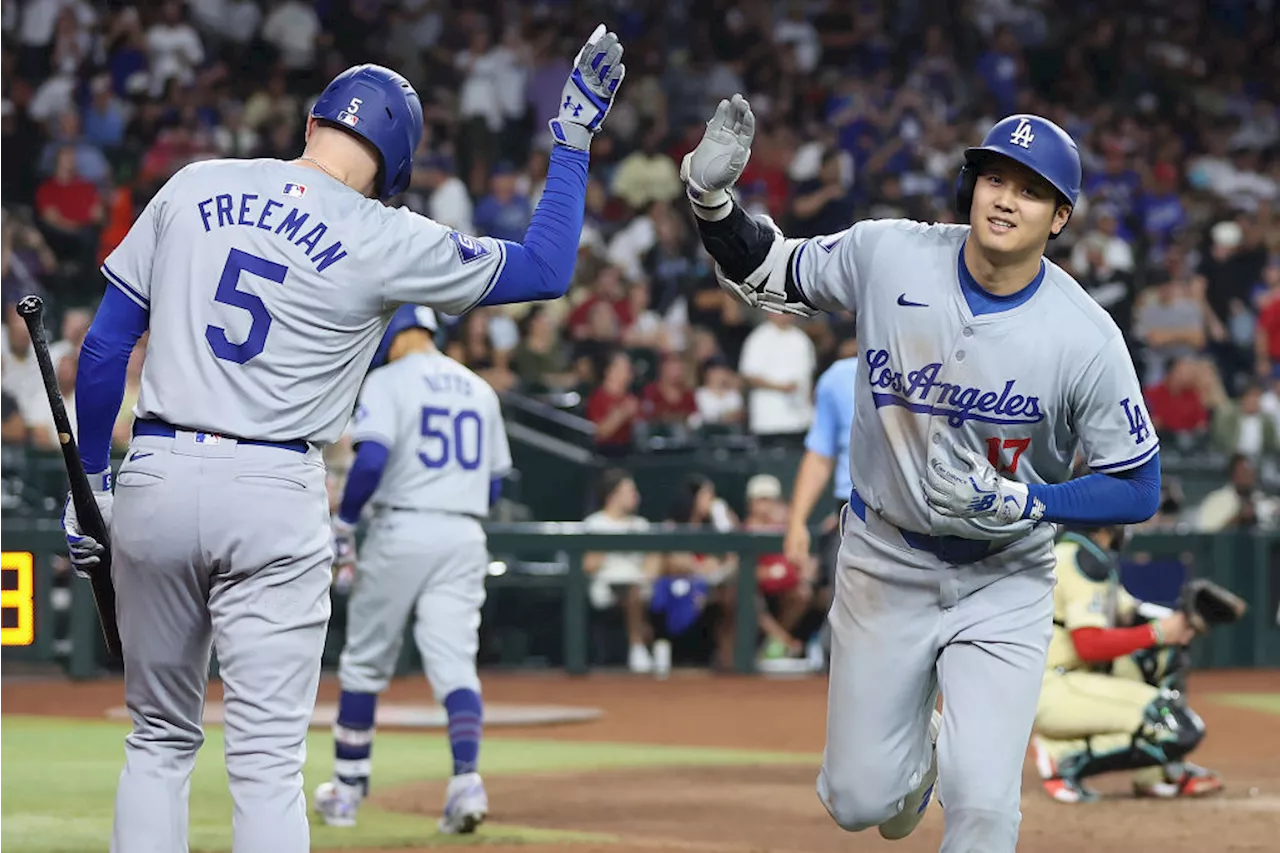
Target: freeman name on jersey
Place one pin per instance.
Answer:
(957, 403)
(223, 210)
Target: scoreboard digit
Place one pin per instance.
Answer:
(17, 598)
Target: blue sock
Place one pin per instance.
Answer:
(466, 721)
(353, 738)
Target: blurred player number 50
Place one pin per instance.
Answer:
(17, 625)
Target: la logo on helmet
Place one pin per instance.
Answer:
(1022, 134)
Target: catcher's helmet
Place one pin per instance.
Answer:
(379, 105)
(406, 317)
(1033, 141)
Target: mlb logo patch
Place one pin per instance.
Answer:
(347, 118)
(295, 190)
(208, 438)
(469, 248)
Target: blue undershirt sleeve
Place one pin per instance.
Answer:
(542, 266)
(1125, 497)
(362, 479)
(100, 375)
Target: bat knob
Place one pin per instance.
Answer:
(30, 304)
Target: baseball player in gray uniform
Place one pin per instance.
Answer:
(431, 452)
(985, 369)
(266, 286)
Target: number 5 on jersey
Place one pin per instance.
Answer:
(229, 293)
(451, 437)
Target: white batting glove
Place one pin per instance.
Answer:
(590, 90)
(974, 489)
(718, 160)
(344, 554)
(86, 552)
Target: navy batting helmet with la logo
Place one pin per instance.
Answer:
(1033, 141)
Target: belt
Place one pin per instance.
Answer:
(160, 429)
(950, 549)
(398, 508)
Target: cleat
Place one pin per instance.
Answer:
(466, 805)
(1063, 788)
(1195, 781)
(337, 803)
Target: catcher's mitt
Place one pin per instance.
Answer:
(1207, 604)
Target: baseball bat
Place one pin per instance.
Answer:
(31, 309)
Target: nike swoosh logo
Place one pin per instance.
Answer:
(907, 303)
(139, 454)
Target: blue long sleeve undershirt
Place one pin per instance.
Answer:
(100, 374)
(1125, 497)
(362, 479)
(542, 266)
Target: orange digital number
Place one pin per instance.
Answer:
(17, 599)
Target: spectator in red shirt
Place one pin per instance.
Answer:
(613, 408)
(668, 400)
(1268, 334)
(69, 209)
(1176, 405)
(770, 156)
(608, 288)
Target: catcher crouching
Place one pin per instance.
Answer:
(1114, 690)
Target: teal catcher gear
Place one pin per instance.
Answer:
(1033, 141)
(379, 105)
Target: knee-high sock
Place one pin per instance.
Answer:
(466, 722)
(353, 738)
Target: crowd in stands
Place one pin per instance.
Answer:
(864, 109)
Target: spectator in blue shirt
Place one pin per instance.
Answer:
(503, 213)
(105, 118)
(91, 164)
(1117, 184)
(1160, 208)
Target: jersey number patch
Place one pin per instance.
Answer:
(996, 445)
(462, 442)
(229, 293)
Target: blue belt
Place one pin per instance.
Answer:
(950, 549)
(161, 429)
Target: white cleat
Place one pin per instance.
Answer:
(337, 803)
(916, 803)
(465, 806)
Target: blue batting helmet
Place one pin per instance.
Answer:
(379, 105)
(406, 317)
(1033, 141)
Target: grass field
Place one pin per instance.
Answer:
(1268, 702)
(694, 764)
(57, 791)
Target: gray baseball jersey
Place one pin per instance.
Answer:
(425, 553)
(269, 286)
(1031, 379)
(1030, 385)
(443, 426)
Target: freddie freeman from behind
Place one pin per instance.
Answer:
(985, 368)
(266, 286)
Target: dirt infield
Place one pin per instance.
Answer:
(773, 808)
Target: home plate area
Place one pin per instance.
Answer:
(393, 715)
